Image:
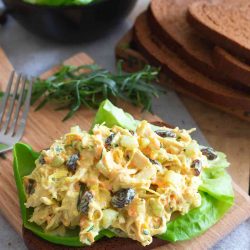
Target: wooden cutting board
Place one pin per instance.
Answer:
(44, 126)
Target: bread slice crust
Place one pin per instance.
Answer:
(231, 66)
(224, 23)
(168, 20)
(190, 79)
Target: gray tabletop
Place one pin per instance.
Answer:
(33, 56)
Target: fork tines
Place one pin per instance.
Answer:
(14, 107)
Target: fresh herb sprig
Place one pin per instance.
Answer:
(88, 85)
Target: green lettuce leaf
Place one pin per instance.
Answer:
(197, 221)
(111, 115)
(217, 183)
(219, 162)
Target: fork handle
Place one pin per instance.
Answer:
(3, 15)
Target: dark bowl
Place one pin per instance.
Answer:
(70, 23)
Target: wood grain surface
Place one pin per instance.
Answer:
(44, 126)
(220, 125)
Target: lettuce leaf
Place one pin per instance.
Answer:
(219, 162)
(197, 221)
(111, 115)
(217, 183)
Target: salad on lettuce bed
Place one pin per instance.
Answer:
(215, 189)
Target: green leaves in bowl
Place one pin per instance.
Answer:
(61, 2)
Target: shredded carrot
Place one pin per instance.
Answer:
(147, 150)
(159, 183)
(173, 197)
(47, 159)
(84, 221)
(77, 186)
(105, 185)
(132, 211)
(90, 237)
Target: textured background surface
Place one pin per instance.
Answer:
(33, 55)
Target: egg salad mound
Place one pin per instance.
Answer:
(130, 182)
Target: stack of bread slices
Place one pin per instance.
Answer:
(202, 46)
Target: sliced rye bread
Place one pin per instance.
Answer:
(224, 23)
(168, 20)
(233, 67)
(134, 61)
(182, 73)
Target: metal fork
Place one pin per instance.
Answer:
(12, 127)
